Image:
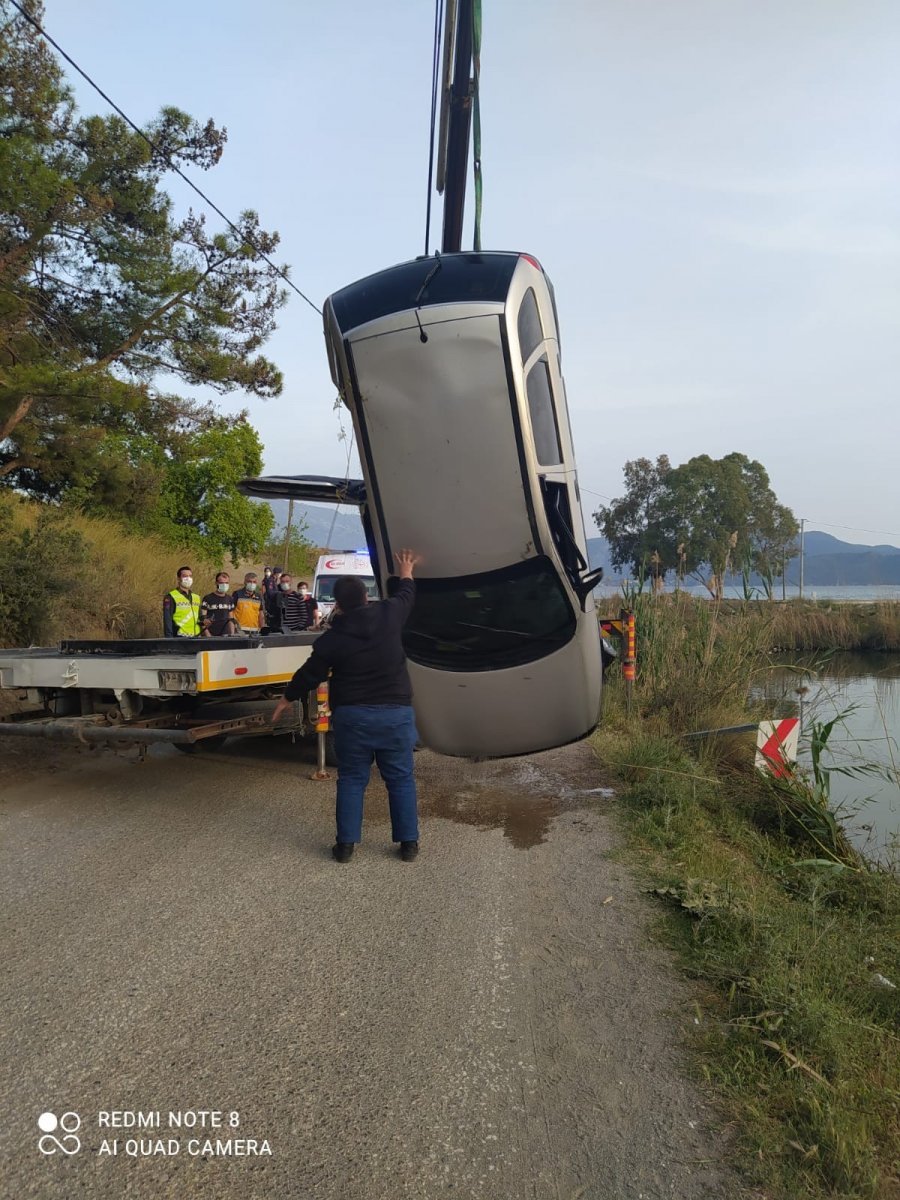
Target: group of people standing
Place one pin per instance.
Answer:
(362, 657)
(272, 604)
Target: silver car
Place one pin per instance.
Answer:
(450, 368)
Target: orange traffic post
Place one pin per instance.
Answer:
(323, 713)
(630, 659)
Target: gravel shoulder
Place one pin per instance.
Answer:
(490, 1021)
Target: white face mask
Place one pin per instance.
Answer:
(221, 587)
(251, 586)
(187, 581)
(285, 587)
(304, 591)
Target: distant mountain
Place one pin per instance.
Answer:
(816, 543)
(598, 556)
(828, 560)
(847, 568)
(345, 529)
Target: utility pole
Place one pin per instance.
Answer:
(802, 525)
(287, 535)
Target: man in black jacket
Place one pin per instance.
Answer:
(371, 705)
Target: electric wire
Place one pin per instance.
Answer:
(853, 528)
(591, 492)
(346, 481)
(281, 271)
(435, 88)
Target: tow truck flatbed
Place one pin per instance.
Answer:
(177, 690)
(158, 667)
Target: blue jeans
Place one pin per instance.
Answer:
(385, 733)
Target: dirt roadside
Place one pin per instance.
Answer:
(491, 1021)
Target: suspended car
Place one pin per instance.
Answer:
(450, 369)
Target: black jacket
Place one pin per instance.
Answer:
(364, 652)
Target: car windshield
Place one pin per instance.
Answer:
(487, 622)
(324, 590)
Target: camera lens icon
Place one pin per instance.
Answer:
(68, 1143)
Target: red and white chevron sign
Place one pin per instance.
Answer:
(776, 745)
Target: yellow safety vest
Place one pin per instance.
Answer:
(246, 611)
(186, 617)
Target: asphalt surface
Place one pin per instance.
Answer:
(492, 1021)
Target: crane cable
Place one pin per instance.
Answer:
(337, 504)
(476, 119)
(435, 88)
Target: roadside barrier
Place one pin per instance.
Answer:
(777, 743)
(624, 628)
(323, 724)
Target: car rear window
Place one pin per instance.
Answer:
(484, 622)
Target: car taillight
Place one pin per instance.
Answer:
(529, 258)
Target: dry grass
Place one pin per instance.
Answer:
(830, 625)
(112, 581)
(697, 659)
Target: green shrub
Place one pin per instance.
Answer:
(43, 579)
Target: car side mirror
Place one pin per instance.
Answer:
(586, 585)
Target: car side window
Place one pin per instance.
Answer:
(543, 416)
(529, 325)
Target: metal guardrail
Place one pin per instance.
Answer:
(725, 729)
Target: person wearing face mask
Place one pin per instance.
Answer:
(249, 611)
(217, 610)
(313, 620)
(181, 607)
(288, 613)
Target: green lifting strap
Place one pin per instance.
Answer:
(476, 119)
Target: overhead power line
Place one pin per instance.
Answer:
(231, 225)
(590, 492)
(854, 528)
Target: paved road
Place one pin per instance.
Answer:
(488, 1022)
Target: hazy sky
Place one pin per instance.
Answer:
(712, 185)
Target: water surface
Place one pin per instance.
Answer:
(862, 692)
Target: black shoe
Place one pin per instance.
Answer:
(409, 851)
(342, 852)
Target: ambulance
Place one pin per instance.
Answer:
(331, 567)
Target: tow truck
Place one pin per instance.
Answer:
(182, 691)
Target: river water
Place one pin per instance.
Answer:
(863, 692)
